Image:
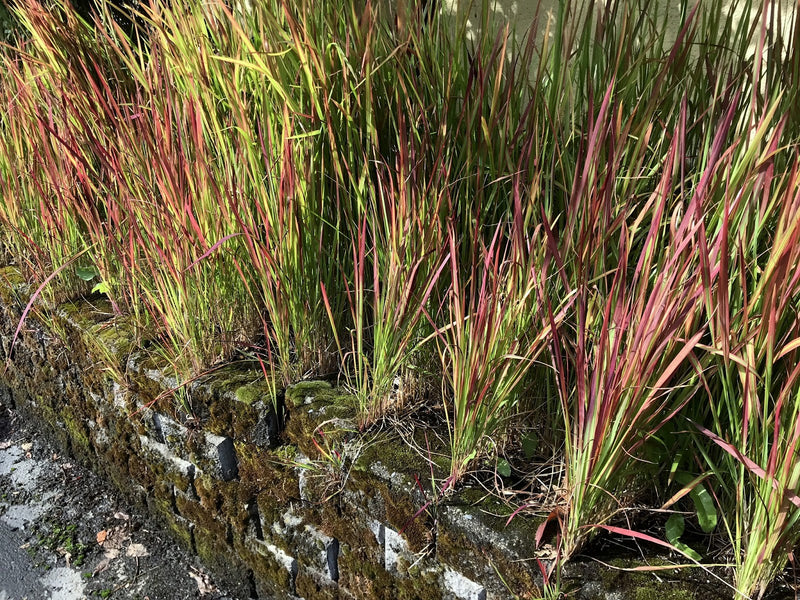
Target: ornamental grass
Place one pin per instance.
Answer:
(448, 216)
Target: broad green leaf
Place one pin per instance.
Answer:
(504, 468)
(87, 273)
(530, 444)
(674, 528)
(688, 551)
(702, 500)
(102, 287)
(706, 511)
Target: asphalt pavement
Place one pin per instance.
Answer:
(66, 535)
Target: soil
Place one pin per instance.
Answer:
(65, 535)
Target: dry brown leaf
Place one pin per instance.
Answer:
(203, 584)
(117, 537)
(101, 536)
(103, 564)
(137, 551)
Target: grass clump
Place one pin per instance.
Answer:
(436, 211)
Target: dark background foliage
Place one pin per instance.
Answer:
(8, 24)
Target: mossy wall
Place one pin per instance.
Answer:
(245, 487)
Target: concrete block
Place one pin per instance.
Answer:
(323, 553)
(183, 468)
(395, 547)
(461, 587)
(220, 450)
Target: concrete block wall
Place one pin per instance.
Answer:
(240, 482)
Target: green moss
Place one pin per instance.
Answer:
(65, 537)
(202, 518)
(271, 511)
(74, 312)
(493, 513)
(308, 589)
(398, 504)
(234, 375)
(286, 454)
(219, 502)
(213, 549)
(261, 469)
(296, 394)
(266, 568)
(394, 455)
(47, 414)
(488, 503)
(455, 546)
(77, 434)
(229, 404)
(181, 530)
(208, 493)
(656, 591)
(116, 467)
(10, 284)
(344, 522)
(114, 342)
(642, 585)
(367, 580)
(335, 417)
(249, 394)
(364, 578)
(11, 277)
(318, 392)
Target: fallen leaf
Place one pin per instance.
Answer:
(27, 446)
(116, 538)
(203, 584)
(137, 551)
(101, 536)
(5, 445)
(111, 554)
(101, 566)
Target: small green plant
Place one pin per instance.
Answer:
(327, 446)
(64, 539)
(705, 511)
(90, 273)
